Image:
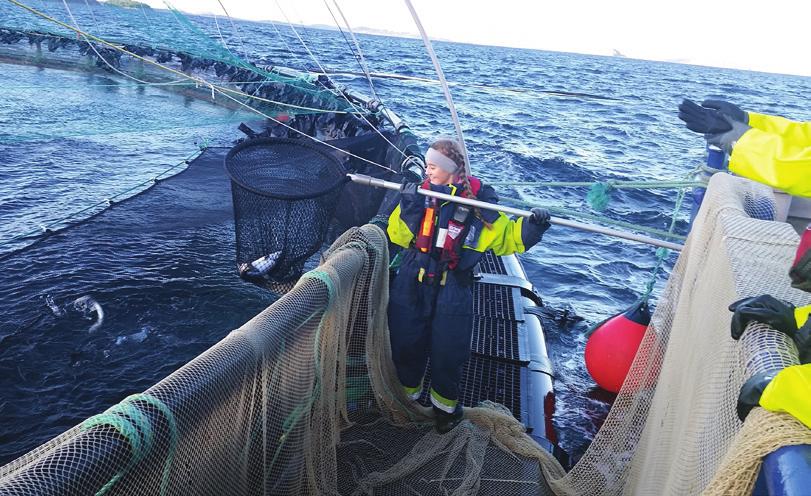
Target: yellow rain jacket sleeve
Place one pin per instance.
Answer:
(777, 152)
(504, 238)
(797, 131)
(790, 390)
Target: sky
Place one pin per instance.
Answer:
(769, 36)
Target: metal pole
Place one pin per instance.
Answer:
(380, 183)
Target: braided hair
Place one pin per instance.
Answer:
(453, 151)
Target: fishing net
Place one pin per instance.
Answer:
(303, 398)
(205, 46)
(673, 427)
(284, 192)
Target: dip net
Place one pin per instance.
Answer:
(284, 192)
(303, 398)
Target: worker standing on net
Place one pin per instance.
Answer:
(431, 296)
(777, 152)
(769, 149)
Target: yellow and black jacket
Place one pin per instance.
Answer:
(777, 152)
(504, 235)
(790, 390)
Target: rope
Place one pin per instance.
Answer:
(238, 62)
(222, 40)
(403, 77)
(92, 13)
(184, 23)
(662, 253)
(284, 41)
(314, 138)
(236, 30)
(125, 84)
(566, 212)
(325, 278)
(600, 192)
(136, 427)
(173, 434)
(78, 30)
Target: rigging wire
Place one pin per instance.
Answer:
(92, 14)
(236, 31)
(311, 137)
(234, 60)
(187, 26)
(445, 89)
(180, 82)
(364, 65)
(284, 41)
(318, 63)
(83, 35)
(357, 54)
(198, 81)
(214, 88)
(222, 39)
(148, 23)
(225, 45)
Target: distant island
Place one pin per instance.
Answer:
(127, 4)
(359, 29)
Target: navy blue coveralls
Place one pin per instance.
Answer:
(431, 309)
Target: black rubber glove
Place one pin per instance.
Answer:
(409, 188)
(703, 120)
(533, 228)
(765, 309)
(540, 216)
(412, 204)
(752, 390)
(730, 110)
(803, 341)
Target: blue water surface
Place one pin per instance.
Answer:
(69, 139)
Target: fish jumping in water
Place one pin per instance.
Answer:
(88, 304)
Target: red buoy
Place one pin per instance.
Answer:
(612, 346)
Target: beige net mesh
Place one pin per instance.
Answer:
(303, 399)
(674, 419)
